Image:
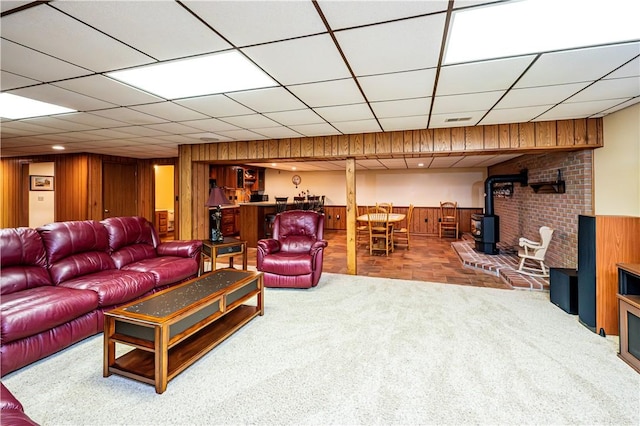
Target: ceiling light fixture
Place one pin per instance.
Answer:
(58, 147)
(204, 75)
(16, 107)
(532, 26)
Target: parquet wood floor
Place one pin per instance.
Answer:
(429, 259)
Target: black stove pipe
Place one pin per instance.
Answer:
(522, 178)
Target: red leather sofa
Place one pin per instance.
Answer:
(293, 256)
(11, 411)
(57, 280)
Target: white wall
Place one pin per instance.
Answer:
(401, 187)
(617, 165)
(41, 203)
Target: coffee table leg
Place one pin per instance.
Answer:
(109, 346)
(161, 358)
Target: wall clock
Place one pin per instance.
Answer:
(296, 180)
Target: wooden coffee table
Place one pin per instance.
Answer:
(172, 329)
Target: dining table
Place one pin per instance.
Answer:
(381, 217)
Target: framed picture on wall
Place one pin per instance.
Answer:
(41, 183)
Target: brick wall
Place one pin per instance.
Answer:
(525, 212)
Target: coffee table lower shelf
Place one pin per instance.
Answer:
(139, 364)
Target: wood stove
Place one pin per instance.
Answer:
(485, 228)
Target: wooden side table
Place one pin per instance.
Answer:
(229, 248)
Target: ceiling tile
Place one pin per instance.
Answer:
(278, 132)
(92, 121)
(215, 106)
(130, 116)
(169, 111)
(344, 14)
(444, 162)
(328, 93)
(63, 37)
(252, 22)
(12, 81)
(578, 109)
(63, 97)
(577, 65)
(35, 65)
(487, 76)
(619, 88)
(174, 128)
(404, 123)
(242, 135)
(271, 99)
(142, 24)
(514, 115)
(351, 112)
(108, 90)
(210, 125)
(409, 107)
(301, 116)
(545, 95)
(404, 45)
(400, 85)
(453, 104)
(631, 69)
(361, 126)
(300, 60)
(251, 121)
(315, 130)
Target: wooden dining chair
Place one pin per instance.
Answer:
(402, 235)
(448, 218)
(362, 229)
(380, 231)
(387, 206)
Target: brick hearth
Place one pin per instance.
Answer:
(503, 265)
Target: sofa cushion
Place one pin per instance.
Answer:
(166, 269)
(114, 286)
(11, 410)
(34, 310)
(75, 248)
(131, 239)
(22, 260)
(288, 264)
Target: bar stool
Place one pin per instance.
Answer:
(281, 205)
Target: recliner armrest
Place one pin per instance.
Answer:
(317, 246)
(269, 246)
(188, 248)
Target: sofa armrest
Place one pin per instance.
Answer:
(268, 246)
(188, 248)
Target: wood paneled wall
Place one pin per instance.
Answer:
(78, 186)
(424, 221)
(521, 138)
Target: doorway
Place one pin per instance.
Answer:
(165, 201)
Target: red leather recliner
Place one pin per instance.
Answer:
(293, 256)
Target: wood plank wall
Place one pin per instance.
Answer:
(520, 138)
(78, 186)
(424, 220)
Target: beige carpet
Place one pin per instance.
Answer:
(368, 351)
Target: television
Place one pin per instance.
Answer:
(629, 309)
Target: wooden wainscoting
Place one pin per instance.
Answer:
(424, 221)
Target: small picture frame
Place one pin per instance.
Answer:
(40, 183)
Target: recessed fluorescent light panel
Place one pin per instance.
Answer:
(533, 26)
(205, 75)
(16, 107)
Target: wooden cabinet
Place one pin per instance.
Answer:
(603, 241)
(229, 221)
(162, 221)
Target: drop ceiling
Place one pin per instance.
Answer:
(340, 67)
